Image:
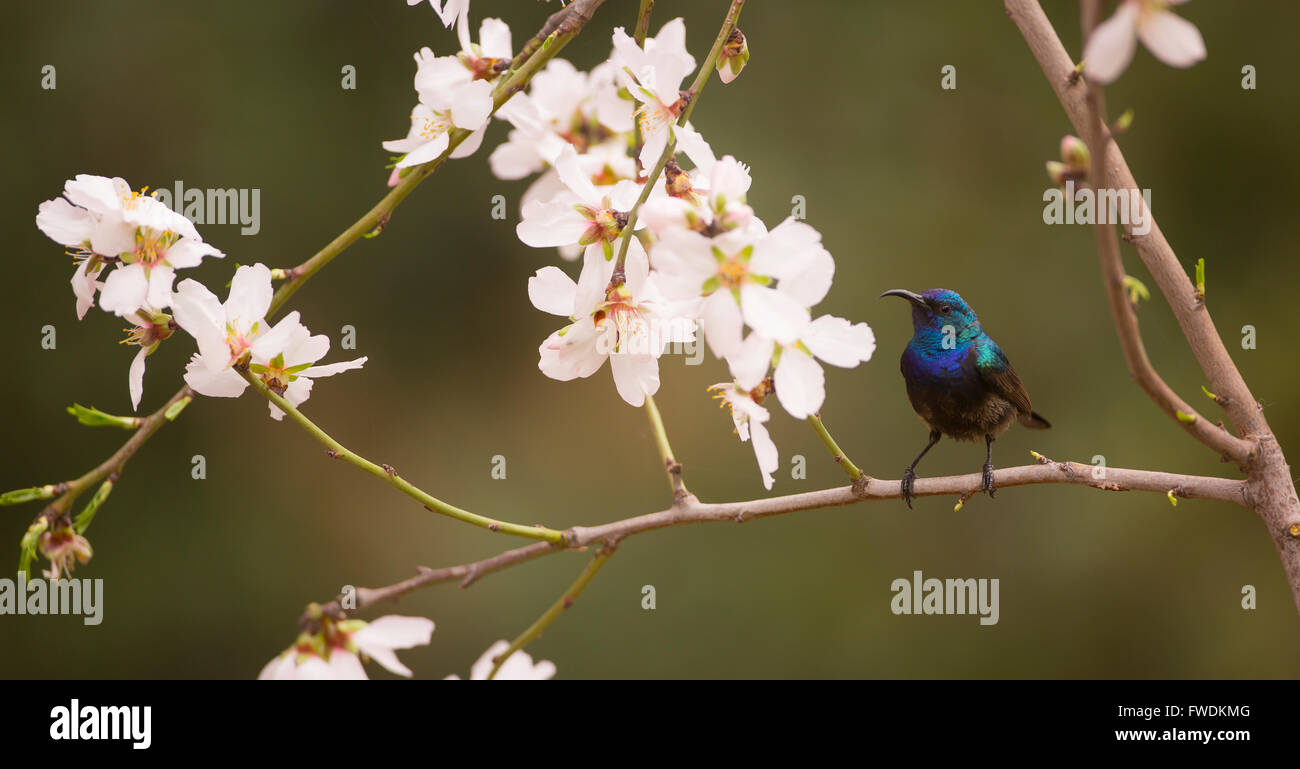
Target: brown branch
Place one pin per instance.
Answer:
(690, 510)
(1269, 489)
(574, 16)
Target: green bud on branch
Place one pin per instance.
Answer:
(93, 417)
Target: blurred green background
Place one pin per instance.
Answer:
(912, 186)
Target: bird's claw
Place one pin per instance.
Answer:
(987, 484)
(909, 480)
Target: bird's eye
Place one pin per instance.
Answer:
(945, 308)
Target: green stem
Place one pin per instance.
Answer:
(535, 630)
(643, 21)
(390, 476)
(702, 77)
(671, 466)
(839, 456)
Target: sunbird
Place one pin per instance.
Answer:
(959, 381)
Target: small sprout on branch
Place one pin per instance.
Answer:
(93, 417)
(962, 500)
(379, 228)
(20, 496)
(1136, 289)
(1173, 499)
(1123, 123)
(88, 514)
(176, 408)
(1185, 418)
(1075, 74)
(1075, 163)
(1042, 460)
(1200, 280)
(27, 546)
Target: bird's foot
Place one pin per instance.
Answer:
(987, 485)
(909, 480)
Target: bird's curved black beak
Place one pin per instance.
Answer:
(915, 299)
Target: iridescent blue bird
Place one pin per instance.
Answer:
(958, 379)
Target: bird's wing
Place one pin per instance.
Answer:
(995, 371)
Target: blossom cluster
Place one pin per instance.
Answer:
(693, 259)
(127, 247)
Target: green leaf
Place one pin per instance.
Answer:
(93, 417)
(19, 496)
(87, 514)
(176, 408)
(27, 546)
(1136, 289)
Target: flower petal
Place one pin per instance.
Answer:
(811, 284)
(250, 295)
(1172, 39)
(64, 223)
(750, 361)
(222, 383)
(800, 383)
(773, 313)
(135, 378)
(125, 290)
(721, 320)
(571, 353)
(1110, 47)
(550, 290)
(471, 104)
(635, 376)
(396, 632)
(330, 369)
(839, 342)
(764, 451)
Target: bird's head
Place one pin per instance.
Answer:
(936, 308)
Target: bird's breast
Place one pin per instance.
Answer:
(949, 395)
(935, 365)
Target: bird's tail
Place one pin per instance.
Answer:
(1034, 420)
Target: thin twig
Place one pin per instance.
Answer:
(643, 21)
(536, 629)
(671, 466)
(837, 454)
(387, 474)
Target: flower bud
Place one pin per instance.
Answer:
(1056, 170)
(1075, 153)
(733, 56)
